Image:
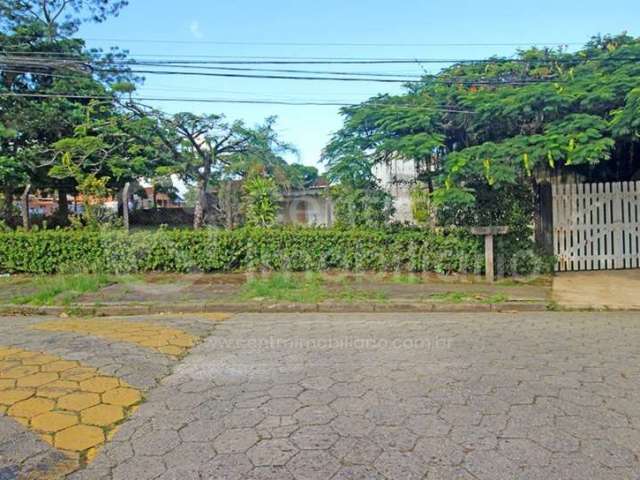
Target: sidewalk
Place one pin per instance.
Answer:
(601, 290)
(330, 292)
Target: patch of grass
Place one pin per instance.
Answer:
(406, 279)
(452, 297)
(64, 289)
(354, 295)
(285, 288)
(459, 297)
(496, 298)
(310, 288)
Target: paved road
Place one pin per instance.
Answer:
(538, 396)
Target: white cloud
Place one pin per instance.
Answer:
(194, 28)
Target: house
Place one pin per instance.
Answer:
(397, 177)
(309, 206)
(150, 199)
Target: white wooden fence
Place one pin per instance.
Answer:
(596, 226)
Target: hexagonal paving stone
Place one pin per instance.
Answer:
(317, 383)
(52, 422)
(99, 384)
(313, 465)
(281, 406)
(78, 374)
(236, 440)
(315, 415)
(317, 437)
(78, 401)
(271, 452)
(19, 372)
(7, 383)
(9, 397)
(102, 415)
(122, 396)
(59, 366)
(79, 438)
(31, 407)
(37, 379)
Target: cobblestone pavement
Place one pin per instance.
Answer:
(66, 386)
(550, 396)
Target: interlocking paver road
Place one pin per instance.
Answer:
(348, 396)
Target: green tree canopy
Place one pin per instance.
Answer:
(479, 126)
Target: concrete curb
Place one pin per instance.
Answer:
(145, 309)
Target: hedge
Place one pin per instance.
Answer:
(209, 250)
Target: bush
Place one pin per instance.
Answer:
(210, 250)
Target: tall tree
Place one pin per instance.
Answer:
(203, 145)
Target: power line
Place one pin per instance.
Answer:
(266, 60)
(444, 81)
(322, 44)
(279, 70)
(239, 101)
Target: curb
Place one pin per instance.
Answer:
(145, 309)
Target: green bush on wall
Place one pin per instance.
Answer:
(209, 250)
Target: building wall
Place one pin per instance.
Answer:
(306, 208)
(397, 177)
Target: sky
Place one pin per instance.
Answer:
(336, 28)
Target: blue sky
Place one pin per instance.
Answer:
(191, 27)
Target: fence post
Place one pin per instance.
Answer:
(543, 218)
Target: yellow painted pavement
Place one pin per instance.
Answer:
(72, 407)
(170, 341)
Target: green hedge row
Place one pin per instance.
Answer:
(291, 249)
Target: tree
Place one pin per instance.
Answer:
(38, 58)
(203, 145)
(477, 129)
(260, 201)
(58, 17)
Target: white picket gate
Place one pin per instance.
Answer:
(596, 226)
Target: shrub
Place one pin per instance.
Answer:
(211, 250)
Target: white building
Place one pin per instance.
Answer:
(397, 177)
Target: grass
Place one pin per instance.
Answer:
(310, 288)
(65, 289)
(406, 279)
(284, 288)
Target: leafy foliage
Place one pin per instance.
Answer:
(359, 207)
(504, 121)
(261, 197)
(209, 250)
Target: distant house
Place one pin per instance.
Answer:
(309, 206)
(162, 200)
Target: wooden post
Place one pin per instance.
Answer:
(488, 257)
(488, 233)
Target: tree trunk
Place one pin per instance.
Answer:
(7, 214)
(63, 203)
(26, 217)
(125, 206)
(201, 205)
